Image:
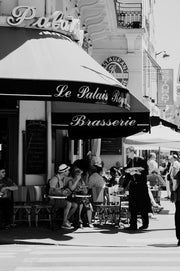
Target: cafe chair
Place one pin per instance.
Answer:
(124, 209)
(22, 210)
(41, 208)
(106, 205)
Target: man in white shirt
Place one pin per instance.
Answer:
(152, 164)
(59, 187)
(174, 168)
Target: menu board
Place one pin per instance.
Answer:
(36, 147)
(111, 146)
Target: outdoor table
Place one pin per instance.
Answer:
(81, 196)
(57, 197)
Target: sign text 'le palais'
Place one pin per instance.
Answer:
(98, 94)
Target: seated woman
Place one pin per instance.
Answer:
(78, 187)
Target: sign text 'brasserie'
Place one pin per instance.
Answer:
(82, 120)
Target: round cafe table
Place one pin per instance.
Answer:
(82, 196)
(57, 197)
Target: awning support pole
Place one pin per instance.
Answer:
(49, 140)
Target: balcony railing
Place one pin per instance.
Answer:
(128, 15)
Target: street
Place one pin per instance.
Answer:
(101, 248)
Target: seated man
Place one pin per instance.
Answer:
(59, 187)
(6, 202)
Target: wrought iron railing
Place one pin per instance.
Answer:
(129, 15)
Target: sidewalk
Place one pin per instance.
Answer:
(161, 231)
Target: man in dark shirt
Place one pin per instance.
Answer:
(136, 181)
(6, 202)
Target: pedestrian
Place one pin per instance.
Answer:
(174, 168)
(59, 187)
(136, 173)
(6, 202)
(166, 175)
(175, 197)
(152, 164)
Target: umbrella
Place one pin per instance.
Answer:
(159, 137)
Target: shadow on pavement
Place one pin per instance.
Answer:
(33, 236)
(163, 245)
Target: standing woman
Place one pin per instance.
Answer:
(136, 181)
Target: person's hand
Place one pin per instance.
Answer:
(4, 189)
(135, 172)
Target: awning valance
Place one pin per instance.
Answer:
(99, 121)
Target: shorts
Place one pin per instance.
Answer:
(58, 203)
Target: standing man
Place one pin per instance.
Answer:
(6, 202)
(136, 180)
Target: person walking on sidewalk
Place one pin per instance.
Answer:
(175, 197)
(136, 179)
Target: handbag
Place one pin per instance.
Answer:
(169, 177)
(173, 196)
(177, 176)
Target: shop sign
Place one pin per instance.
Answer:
(72, 91)
(118, 68)
(83, 121)
(165, 87)
(178, 90)
(25, 16)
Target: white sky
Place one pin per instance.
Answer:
(167, 33)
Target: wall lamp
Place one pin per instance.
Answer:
(164, 54)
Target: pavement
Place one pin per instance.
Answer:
(161, 232)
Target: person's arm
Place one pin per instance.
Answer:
(54, 190)
(10, 186)
(73, 185)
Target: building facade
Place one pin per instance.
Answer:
(118, 35)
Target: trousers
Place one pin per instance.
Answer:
(177, 219)
(6, 211)
(144, 217)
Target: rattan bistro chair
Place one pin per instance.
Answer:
(106, 205)
(41, 207)
(22, 210)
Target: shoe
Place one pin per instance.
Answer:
(152, 216)
(143, 227)
(80, 224)
(67, 226)
(130, 228)
(178, 244)
(69, 223)
(91, 225)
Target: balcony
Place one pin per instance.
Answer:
(128, 15)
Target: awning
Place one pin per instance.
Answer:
(37, 64)
(45, 65)
(156, 120)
